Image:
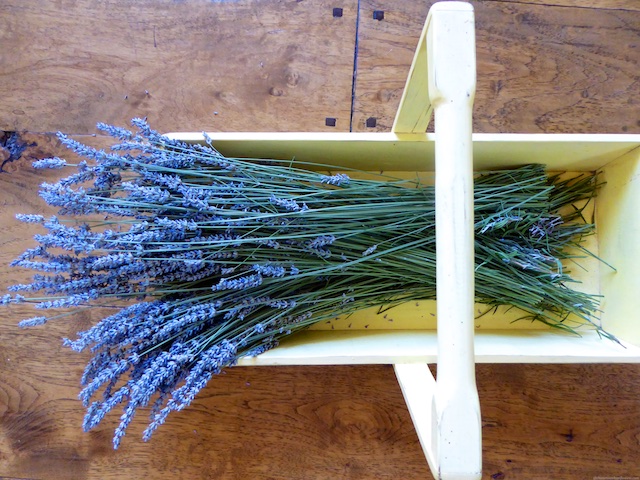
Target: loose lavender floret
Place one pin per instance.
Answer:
(545, 226)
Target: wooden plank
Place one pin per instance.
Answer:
(599, 4)
(540, 422)
(186, 65)
(555, 421)
(385, 51)
(540, 68)
(39, 416)
(346, 422)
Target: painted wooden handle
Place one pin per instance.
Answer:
(447, 414)
(452, 82)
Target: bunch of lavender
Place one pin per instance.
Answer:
(207, 259)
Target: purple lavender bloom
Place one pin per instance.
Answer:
(194, 197)
(80, 177)
(241, 283)
(369, 250)
(338, 179)
(162, 369)
(115, 132)
(321, 241)
(156, 138)
(121, 325)
(54, 267)
(181, 224)
(211, 362)
(289, 205)
(39, 282)
(29, 218)
(105, 181)
(282, 304)
(52, 163)
(31, 253)
(545, 226)
(80, 148)
(269, 270)
(254, 352)
(113, 260)
(70, 301)
(71, 202)
(97, 410)
(173, 182)
(146, 194)
(112, 371)
(181, 320)
(32, 322)
(70, 239)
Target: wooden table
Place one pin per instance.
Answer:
(543, 66)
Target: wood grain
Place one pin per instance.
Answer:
(540, 68)
(560, 421)
(385, 52)
(186, 65)
(539, 421)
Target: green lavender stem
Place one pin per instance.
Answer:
(208, 259)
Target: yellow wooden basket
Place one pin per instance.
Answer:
(450, 332)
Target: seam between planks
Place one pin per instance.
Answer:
(355, 67)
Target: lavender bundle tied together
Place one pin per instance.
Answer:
(208, 259)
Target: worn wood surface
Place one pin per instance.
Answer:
(190, 65)
(540, 68)
(539, 421)
(632, 5)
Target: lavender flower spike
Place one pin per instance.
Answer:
(202, 259)
(8, 299)
(53, 163)
(32, 322)
(27, 218)
(370, 250)
(338, 179)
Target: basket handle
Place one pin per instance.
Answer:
(446, 412)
